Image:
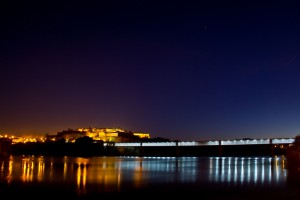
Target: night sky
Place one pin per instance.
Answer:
(184, 70)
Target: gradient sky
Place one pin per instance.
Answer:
(175, 69)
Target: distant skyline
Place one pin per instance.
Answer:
(183, 70)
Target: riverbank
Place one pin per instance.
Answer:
(98, 149)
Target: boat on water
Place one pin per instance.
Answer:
(293, 154)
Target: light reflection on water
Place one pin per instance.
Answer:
(245, 170)
(112, 173)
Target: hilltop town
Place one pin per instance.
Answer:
(96, 134)
(80, 141)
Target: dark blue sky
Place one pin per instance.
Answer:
(183, 70)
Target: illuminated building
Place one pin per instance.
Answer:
(112, 134)
(142, 135)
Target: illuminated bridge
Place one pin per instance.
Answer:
(213, 147)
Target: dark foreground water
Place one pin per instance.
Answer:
(148, 177)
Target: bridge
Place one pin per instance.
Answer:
(212, 147)
(275, 141)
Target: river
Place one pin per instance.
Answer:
(145, 177)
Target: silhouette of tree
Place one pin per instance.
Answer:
(85, 140)
(61, 141)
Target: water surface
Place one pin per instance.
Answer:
(78, 177)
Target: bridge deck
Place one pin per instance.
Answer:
(208, 143)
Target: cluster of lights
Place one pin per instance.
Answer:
(105, 134)
(18, 139)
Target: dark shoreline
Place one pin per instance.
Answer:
(97, 149)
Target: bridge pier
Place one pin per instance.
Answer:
(141, 151)
(220, 148)
(271, 148)
(177, 153)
